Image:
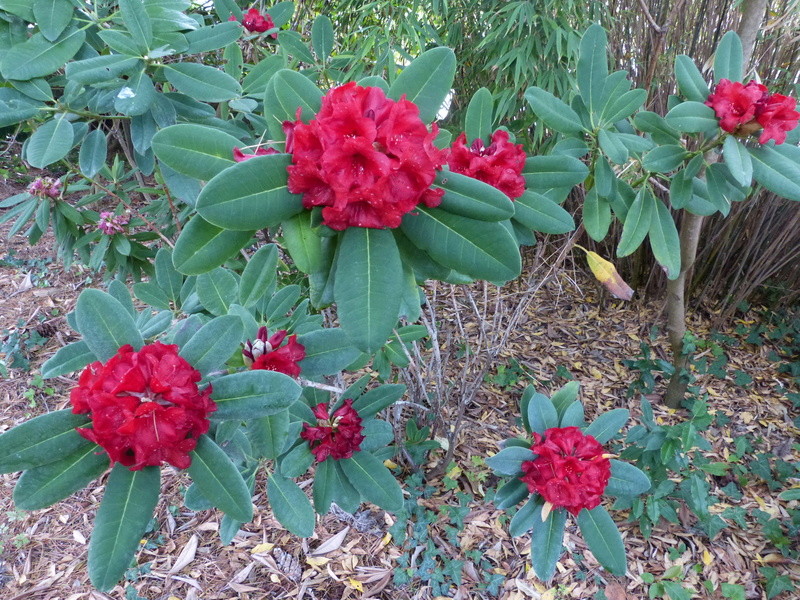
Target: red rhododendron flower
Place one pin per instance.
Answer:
(499, 165)
(240, 156)
(366, 159)
(570, 470)
(267, 353)
(735, 103)
(338, 436)
(255, 22)
(145, 406)
(777, 115)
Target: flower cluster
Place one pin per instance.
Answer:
(570, 470)
(45, 187)
(337, 436)
(744, 109)
(240, 156)
(499, 165)
(366, 159)
(267, 353)
(255, 22)
(110, 223)
(145, 406)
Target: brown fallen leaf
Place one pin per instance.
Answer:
(614, 591)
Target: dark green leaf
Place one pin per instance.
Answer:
(69, 358)
(553, 171)
(472, 198)
(217, 340)
(510, 494)
(137, 22)
(612, 146)
(542, 414)
(93, 152)
(607, 425)
(322, 37)
(219, 480)
(198, 151)
(203, 246)
(664, 240)
(478, 120)
(690, 81)
(287, 91)
(373, 481)
(547, 537)
(626, 480)
(509, 460)
(539, 213)
(692, 117)
(106, 324)
(217, 290)
(728, 58)
(525, 518)
(325, 481)
(297, 461)
(37, 57)
(776, 172)
(377, 399)
(552, 111)
(290, 505)
(426, 81)
(212, 37)
(253, 394)
(40, 441)
(593, 67)
(202, 82)
(637, 222)
(52, 17)
(603, 539)
(50, 142)
(258, 275)
(269, 435)
(596, 215)
(328, 351)
(663, 159)
(738, 160)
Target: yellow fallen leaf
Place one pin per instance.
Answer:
(261, 548)
(606, 273)
(317, 561)
(454, 473)
(356, 584)
(746, 417)
(389, 464)
(707, 558)
(386, 539)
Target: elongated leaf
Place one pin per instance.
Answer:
(607, 425)
(137, 22)
(426, 81)
(612, 146)
(102, 68)
(377, 399)
(258, 275)
(542, 414)
(213, 344)
(93, 153)
(664, 240)
(290, 505)
(552, 111)
(593, 67)
(217, 290)
(45, 485)
(51, 142)
(325, 481)
(564, 397)
(40, 441)
(302, 242)
(472, 198)
(510, 494)
(212, 37)
(328, 351)
(268, 435)
(250, 195)
(203, 246)
(125, 511)
(539, 213)
(195, 150)
(478, 120)
(626, 480)
(105, 324)
(553, 171)
(776, 172)
(692, 117)
(151, 294)
(137, 95)
(255, 82)
(690, 81)
(287, 91)
(509, 460)
(70, 358)
(477, 249)
(52, 17)
(728, 58)
(202, 82)
(219, 480)
(373, 481)
(297, 461)
(37, 57)
(603, 539)
(738, 160)
(663, 159)
(637, 222)
(596, 215)
(524, 520)
(168, 278)
(547, 537)
(253, 394)
(322, 37)
(368, 287)
(624, 106)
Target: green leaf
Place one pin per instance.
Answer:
(626, 480)
(509, 460)
(213, 344)
(137, 22)
(664, 240)
(663, 159)
(368, 286)
(52, 17)
(281, 13)
(637, 222)
(612, 146)
(122, 518)
(593, 67)
(322, 37)
(287, 91)
(510, 494)
(624, 106)
(478, 120)
(253, 394)
(607, 425)
(656, 125)
(202, 82)
(738, 160)
(293, 45)
(269, 435)
(325, 481)
(93, 152)
(137, 96)
(542, 414)
(728, 58)
(328, 351)
(547, 537)
(168, 278)
(255, 82)
(553, 171)
(565, 396)
(258, 275)
(680, 190)
(477, 249)
(50, 142)
(373, 481)
(539, 213)
(690, 81)
(596, 215)
(472, 198)
(297, 461)
(426, 81)
(40, 441)
(105, 323)
(692, 117)
(212, 37)
(290, 505)
(217, 290)
(603, 539)
(525, 518)
(377, 399)
(776, 172)
(302, 242)
(203, 246)
(198, 151)
(250, 195)
(219, 480)
(573, 416)
(552, 111)
(151, 294)
(37, 57)
(43, 486)
(776, 584)
(103, 68)
(69, 358)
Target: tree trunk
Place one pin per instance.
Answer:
(753, 12)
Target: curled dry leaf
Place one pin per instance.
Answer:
(606, 273)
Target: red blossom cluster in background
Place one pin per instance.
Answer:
(240, 156)
(499, 165)
(366, 159)
(570, 470)
(266, 353)
(255, 22)
(745, 108)
(145, 406)
(109, 223)
(45, 187)
(338, 436)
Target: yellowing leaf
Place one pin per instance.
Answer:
(261, 548)
(606, 273)
(707, 558)
(317, 561)
(356, 584)
(389, 464)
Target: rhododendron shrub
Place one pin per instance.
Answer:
(561, 468)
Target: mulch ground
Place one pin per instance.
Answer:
(566, 324)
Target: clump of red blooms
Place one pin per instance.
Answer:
(366, 159)
(500, 165)
(110, 223)
(255, 22)
(337, 436)
(45, 187)
(145, 406)
(240, 156)
(743, 109)
(266, 353)
(570, 470)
